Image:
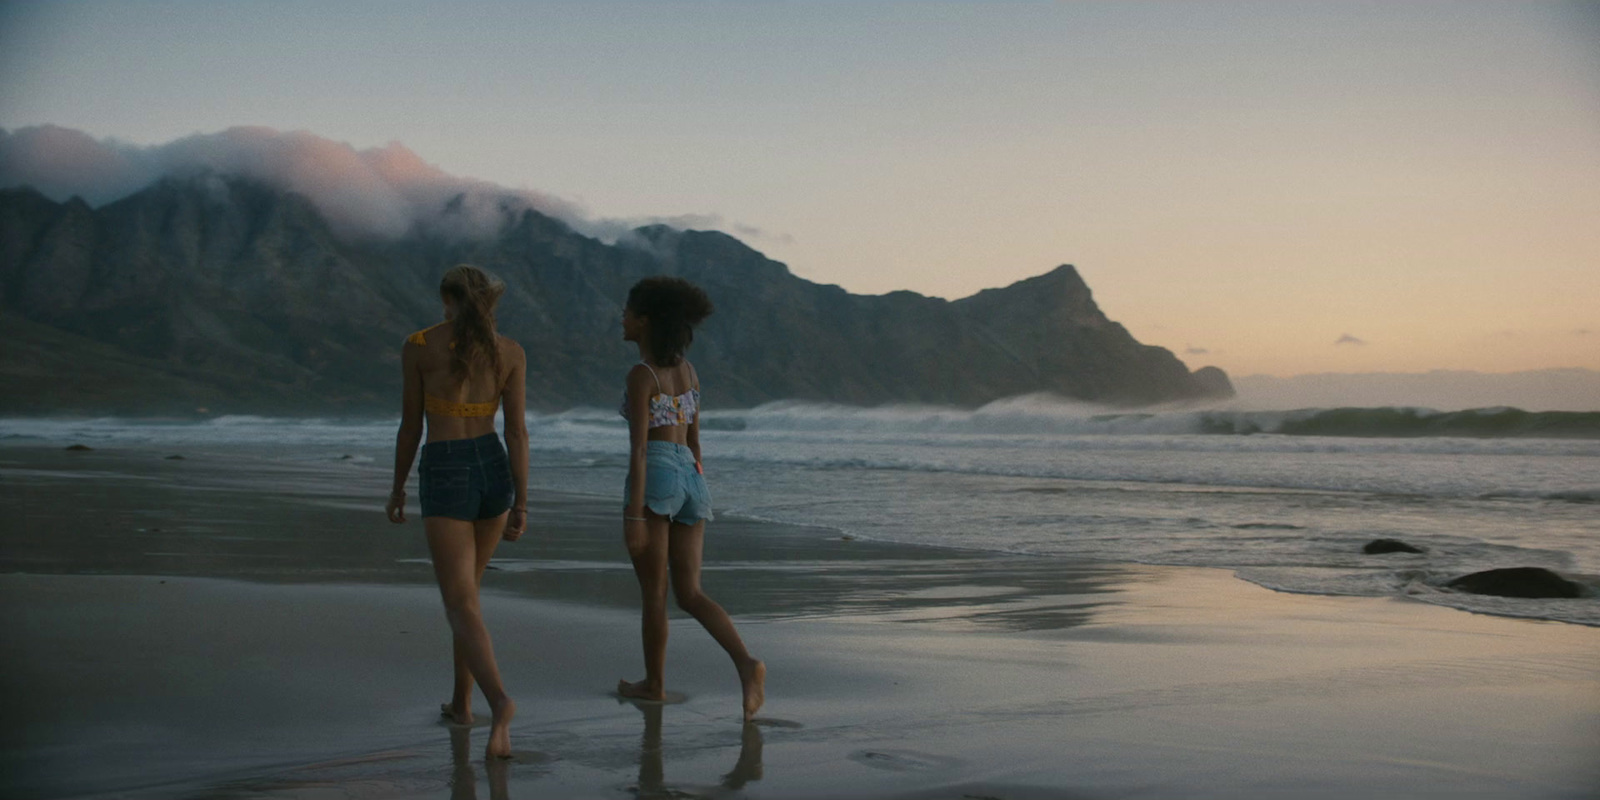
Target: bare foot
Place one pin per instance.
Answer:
(500, 731)
(641, 691)
(462, 716)
(753, 679)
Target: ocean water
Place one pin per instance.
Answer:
(1288, 512)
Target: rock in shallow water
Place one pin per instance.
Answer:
(1517, 582)
(1390, 546)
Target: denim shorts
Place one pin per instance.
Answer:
(673, 488)
(465, 478)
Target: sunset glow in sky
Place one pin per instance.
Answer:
(1268, 187)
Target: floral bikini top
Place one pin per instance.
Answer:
(443, 407)
(668, 409)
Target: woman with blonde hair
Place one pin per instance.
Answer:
(667, 503)
(473, 492)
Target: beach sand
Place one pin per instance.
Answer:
(277, 639)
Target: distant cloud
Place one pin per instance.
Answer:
(380, 192)
(1348, 339)
(1195, 351)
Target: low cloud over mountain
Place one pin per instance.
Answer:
(380, 192)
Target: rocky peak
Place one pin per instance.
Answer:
(1059, 295)
(243, 290)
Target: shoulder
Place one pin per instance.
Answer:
(421, 337)
(510, 347)
(642, 376)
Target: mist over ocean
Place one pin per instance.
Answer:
(1038, 476)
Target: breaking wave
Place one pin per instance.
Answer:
(1041, 414)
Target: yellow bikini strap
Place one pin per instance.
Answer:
(418, 337)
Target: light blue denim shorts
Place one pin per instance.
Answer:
(673, 488)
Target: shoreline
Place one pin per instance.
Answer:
(1186, 682)
(299, 650)
(161, 504)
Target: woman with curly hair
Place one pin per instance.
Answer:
(667, 503)
(473, 492)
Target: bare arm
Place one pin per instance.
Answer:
(640, 387)
(410, 434)
(513, 402)
(691, 437)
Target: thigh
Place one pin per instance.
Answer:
(486, 535)
(649, 552)
(685, 544)
(452, 545)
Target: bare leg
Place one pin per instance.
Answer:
(687, 541)
(649, 556)
(453, 545)
(459, 709)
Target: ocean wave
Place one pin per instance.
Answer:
(1048, 414)
(1568, 495)
(1409, 422)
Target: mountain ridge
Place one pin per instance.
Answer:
(245, 288)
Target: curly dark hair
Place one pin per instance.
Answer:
(673, 306)
(474, 293)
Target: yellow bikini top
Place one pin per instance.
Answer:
(442, 407)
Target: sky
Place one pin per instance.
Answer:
(1272, 188)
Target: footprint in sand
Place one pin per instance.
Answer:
(903, 760)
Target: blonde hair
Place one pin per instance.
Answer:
(474, 294)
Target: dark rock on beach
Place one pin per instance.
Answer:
(1517, 582)
(227, 294)
(1377, 546)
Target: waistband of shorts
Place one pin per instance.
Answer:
(671, 448)
(487, 443)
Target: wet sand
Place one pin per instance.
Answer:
(277, 639)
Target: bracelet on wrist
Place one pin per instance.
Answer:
(633, 519)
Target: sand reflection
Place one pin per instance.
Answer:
(652, 769)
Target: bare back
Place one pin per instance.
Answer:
(430, 376)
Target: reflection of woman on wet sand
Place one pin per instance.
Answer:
(652, 769)
(463, 780)
(667, 503)
(472, 492)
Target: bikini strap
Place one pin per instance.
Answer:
(653, 375)
(694, 377)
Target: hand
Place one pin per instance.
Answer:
(396, 507)
(516, 524)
